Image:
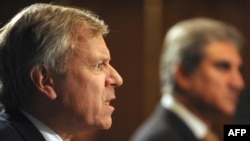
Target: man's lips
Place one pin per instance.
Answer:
(107, 102)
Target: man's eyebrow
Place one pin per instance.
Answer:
(222, 63)
(105, 58)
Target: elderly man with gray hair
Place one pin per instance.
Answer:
(56, 74)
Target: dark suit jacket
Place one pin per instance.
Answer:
(14, 126)
(164, 125)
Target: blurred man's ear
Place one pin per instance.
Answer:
(42, 78)
(183, 78)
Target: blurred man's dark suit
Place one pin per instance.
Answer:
(164, 125)
(14, 126)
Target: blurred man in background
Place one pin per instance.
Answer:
(201, 80)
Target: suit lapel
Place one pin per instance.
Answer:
(179, 126)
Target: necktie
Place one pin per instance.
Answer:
(210, 136)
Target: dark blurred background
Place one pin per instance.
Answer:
(137, 31)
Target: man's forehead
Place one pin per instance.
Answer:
(222, 51)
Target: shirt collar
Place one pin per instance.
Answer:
(47, 133)
(197, 126)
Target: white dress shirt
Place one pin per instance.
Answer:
(197, 126)
(47, 133)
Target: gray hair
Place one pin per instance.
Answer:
(184, 45)
(39, 34)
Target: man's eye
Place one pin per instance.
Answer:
(222, 65)
(99, 66)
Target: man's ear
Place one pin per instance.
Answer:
(183, 78)
(43, 81)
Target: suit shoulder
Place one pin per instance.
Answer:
(8, 132)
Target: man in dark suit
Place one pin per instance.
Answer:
(201, 82)
(56, 74)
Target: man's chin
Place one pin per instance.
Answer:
(106, 125)
(228, 113)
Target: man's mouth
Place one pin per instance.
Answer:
(107, 103)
